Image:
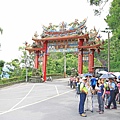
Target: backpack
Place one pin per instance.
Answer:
(78, 88)
(93, 81)
(116, 90)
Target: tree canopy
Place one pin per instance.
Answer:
(1, 30)
(113, 21)
(100, 5)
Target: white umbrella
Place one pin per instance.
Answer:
(102, 72)
(107, 76)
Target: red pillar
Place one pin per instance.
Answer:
(80, 58)
(80, 62)
(44, 61)
(91, 61)
(36, 60)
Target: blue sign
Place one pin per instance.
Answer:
(63, 46)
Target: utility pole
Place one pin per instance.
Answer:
(26, 67)
(108, 31)
(108, 51)
(64, 64)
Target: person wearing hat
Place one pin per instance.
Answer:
(83, 93)
(112, 94)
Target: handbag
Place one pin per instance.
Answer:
(85, 90)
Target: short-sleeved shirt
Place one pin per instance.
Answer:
(100, 90)
(93, 81)
(113, 86)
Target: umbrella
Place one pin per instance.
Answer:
(119, 77)
(107, 76)
(102, 72)
(88, 74)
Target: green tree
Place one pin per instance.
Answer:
(1, 65)
(55, 63)
(100, 5)
(26, 58)
(14, 68)
(26, 61)
(1, 30)
(113, 20)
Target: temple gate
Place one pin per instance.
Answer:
(57, 38)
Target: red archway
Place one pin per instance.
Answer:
(85, 41)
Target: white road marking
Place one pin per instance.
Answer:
(56, 90)
(14, 109)
(23, 97)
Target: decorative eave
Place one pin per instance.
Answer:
(30, 49)
(85, 36)
(90, 47)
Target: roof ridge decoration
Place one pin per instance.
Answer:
(65, 32)
(64, 29)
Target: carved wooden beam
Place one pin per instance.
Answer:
(34, 49)
(62, 38)
(89, 47)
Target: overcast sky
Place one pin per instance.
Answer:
(21, 18)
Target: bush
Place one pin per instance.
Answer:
(10, 80)
(55, 74)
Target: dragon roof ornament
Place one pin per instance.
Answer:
(63, 29)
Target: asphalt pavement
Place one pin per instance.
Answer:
(46, 101)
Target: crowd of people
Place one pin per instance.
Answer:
(106, 89)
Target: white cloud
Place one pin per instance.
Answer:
(21, 18)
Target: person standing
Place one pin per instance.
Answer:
(112, 94)
(101, 94)
(89, 98)
(118, 95)
(93, 82)
(83, 92)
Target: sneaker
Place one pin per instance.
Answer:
(98, 111)
(86, 109)
(107, 107)
(83, 115)
(101, 112)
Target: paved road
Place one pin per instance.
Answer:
(46, 101)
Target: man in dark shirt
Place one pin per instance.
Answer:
(93, 82)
